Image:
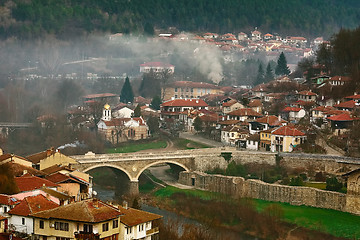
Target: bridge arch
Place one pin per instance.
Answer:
(159, 162)
(110, 165)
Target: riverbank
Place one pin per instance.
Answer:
(266, 220)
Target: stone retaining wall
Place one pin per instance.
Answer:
(239, 187)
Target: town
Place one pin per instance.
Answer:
(285, 108)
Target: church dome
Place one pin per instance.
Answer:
(107, 106)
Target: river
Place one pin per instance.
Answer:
(109, 194)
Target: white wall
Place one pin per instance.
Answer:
(19, 227)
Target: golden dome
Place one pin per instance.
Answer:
(107, 106)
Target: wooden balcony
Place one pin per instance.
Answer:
(152, 231)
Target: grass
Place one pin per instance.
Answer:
(182, 143)
(134, 147)
(169, 190)
(340, 224)
(321, 186)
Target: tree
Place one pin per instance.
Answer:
(198, 124)
(155, 103)
(137, 111)
(282, 68)
(150, 85)
(260, 75)
(269, 75)
(127, 94)
(68, 93)
(332, 184)
(153, 124)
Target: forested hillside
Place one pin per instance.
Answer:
(34, 18)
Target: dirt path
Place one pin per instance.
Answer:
(329, 150)
(159, 171)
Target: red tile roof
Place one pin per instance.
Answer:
(356, 96)
(18, 169)
(30, 183)
(134, 217)
(59, 178)
(32, 205)
(229, 103)
(323, 108)
(255, 103)
(7, 200)
(271, 120)
(245, 112)
(90, 210)
(340, 78)
(10, 155)
(288, 131)
(349, 104)
(341, 117)
(291, 109)
(185, 103)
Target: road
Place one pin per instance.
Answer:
(200, 139)
(159, 171)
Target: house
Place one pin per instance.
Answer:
(88, 219)
(319, 80)
(188, 89)
(20, 219)
(137, 224)
(57, 197)
(49, 158)
(293, 114)
(252, 142)
(122, 112)
(307, 96)
(286, 138)
(157, 67)
(243, 114)
(29, 183)
(265, 123)
(265, 140)
(255, 35)
(6, 204)
(230, 106)
(338, 80)
(172, 108)
(346, 106)
(12, 158)
(242, 36)
(319, 112)
(256, 105)
(231, 135)
(341, 123)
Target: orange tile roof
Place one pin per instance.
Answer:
(9, 155)
(90, 210)
(134, 217)
(185, 103)
(18, 169)
(33, 204)
(59, 178)
(288, 131)
(229, 122)
(229, 103)
(27, 183)
(57, 168)
(255, 103)
(323, 108)
(356, 96)
(245, 112)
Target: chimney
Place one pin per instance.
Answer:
(25, 171)
(279, 118)
(95, 203)
(125, 204)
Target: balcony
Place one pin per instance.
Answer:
(152, 231)
(86, 235)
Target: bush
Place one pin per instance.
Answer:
(234, 169)
(320, 177)
(332, 184)
(297, 181)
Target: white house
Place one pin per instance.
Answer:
(20, 216)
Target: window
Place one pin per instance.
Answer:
(105, 227)
(5, 209)
(128, 230)
(141, 227)
(23, 221)
(115, 223)
(176, 89)
(88, 228)
(61, 226)
(41, 224)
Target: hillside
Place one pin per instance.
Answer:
(33, 18)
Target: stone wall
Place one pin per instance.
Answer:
(239, 187)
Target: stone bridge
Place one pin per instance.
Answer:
(133, 165)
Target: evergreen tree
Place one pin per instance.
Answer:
(150, 85)
(282, 68)
(260, 75)
(198, 124)
(137, 111)
(127, 94)
(269, 75)
(155, 103)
